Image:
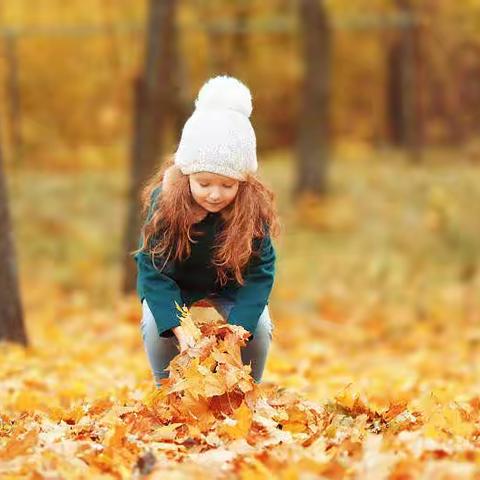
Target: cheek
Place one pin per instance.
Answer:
(232, 195)
(197, 192)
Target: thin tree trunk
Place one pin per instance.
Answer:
(313, 137)
(152, 91)
(402, 102)
(12, 327)
(12, 88)
(394, 103)
(180, 106)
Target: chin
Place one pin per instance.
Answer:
(213, 208)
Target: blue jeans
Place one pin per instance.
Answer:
(161, 350)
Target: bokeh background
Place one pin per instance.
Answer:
(367, 116)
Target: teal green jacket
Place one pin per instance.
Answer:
(195, 278)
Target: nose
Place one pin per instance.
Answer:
(214, 195)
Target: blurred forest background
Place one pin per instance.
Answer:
(398, 77)
(367, 116)
(77, 113)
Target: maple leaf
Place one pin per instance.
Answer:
(237, 425)
(297, 420)
(187, 323)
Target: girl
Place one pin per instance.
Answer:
(207, 233)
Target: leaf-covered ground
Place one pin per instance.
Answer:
(373, 372)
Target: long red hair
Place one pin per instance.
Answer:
(252, 214)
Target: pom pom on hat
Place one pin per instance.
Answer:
(218, 137)
(225, 92)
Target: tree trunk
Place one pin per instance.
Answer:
(12, 87)
(180, 105)
(12, 327)
(313, 135)
(396, 127)
(402, 96)
(152, 91)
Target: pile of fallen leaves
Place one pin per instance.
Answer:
(209, 411)
(208, 418)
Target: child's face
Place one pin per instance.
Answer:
(212, 191)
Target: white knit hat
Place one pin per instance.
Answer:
(218, 137)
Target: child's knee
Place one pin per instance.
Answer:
(265, 325)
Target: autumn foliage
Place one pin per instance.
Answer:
(209, 407)
(210, 418)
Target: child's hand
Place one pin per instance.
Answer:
(184, 339)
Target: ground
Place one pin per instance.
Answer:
(376, 312)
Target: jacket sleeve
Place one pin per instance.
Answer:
(252, 297)
(158, 289)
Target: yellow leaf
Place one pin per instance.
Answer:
(297, 421)
(239, 424)
(187, 323)
(165, 432)
(182, 310)
(16, 447)
(115, 438)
